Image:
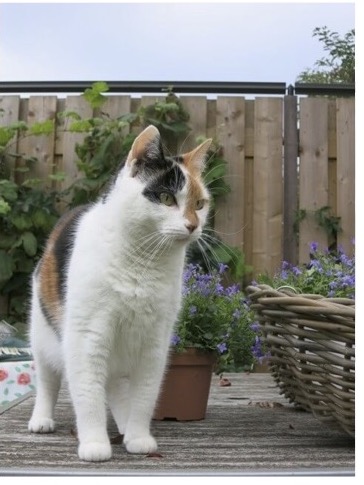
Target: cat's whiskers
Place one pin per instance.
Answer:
(200, 243)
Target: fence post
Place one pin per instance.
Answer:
(290, 199)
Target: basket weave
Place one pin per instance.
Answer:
(312, 344)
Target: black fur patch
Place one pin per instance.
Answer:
(171, 181)
(64, 245)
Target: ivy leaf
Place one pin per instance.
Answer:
(6, 266)
(29, 243)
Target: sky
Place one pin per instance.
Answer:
(165, 41)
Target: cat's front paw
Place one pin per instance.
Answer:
(142, 444)
(94, 451)
(41, 425)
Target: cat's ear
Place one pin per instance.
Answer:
(195, 160)
(146, 147)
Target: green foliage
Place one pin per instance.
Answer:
(168, 116)
(324, 218)
(339, 65)
(27, 214)
(94, 96)
(330, 274)
(215, 317)
(330, 223)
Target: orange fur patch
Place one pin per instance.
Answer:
(194, 194)
(48, 274)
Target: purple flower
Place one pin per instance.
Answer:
(255, 326)
(219, 289)
(232, 290)
(257, 348)
(284, 275)
(222, 268)
(175, 340)
(192, 310)
(222, 347)
(296, 271)
(313, 247)
(237, 314)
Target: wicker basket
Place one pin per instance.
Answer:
(312, 345)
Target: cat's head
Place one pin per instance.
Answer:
(167, 193)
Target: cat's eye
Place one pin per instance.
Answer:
(200, 204)
(167, 199)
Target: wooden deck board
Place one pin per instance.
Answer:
(235, 438)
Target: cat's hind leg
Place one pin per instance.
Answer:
(47, 359)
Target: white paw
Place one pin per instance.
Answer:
(143, 444)
(94, 451)
(41, 425)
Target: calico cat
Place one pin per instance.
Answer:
(106, 294)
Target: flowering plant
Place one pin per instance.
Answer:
(328, 274)
(215, 317)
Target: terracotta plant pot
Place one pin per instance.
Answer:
(186, 386)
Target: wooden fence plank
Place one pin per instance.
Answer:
(79, 105)
(211, 119)
(249, 181)
(268, 186)
(230, 122)
(9, 106)
(116, 106)
(313, 178)
(346, 171)
(41, 147)
(196, 106)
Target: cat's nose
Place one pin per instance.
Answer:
(191, 227)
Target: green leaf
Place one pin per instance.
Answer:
(21, 221)
(6, 240)
(80, 126)
(4, 207)
(6, 134)
(57, 177)
(40, 218)
(8, 190)
(21, 169)
(94, 94)
(69, 114)
(29, 243)
(32, 183)
(6, 266)
(42, 127)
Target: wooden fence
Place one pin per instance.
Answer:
(253, 217)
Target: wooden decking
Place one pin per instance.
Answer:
(238, 437)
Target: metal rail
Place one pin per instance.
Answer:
(186, 87)
(145, 87)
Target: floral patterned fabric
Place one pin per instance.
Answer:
(16, 379)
